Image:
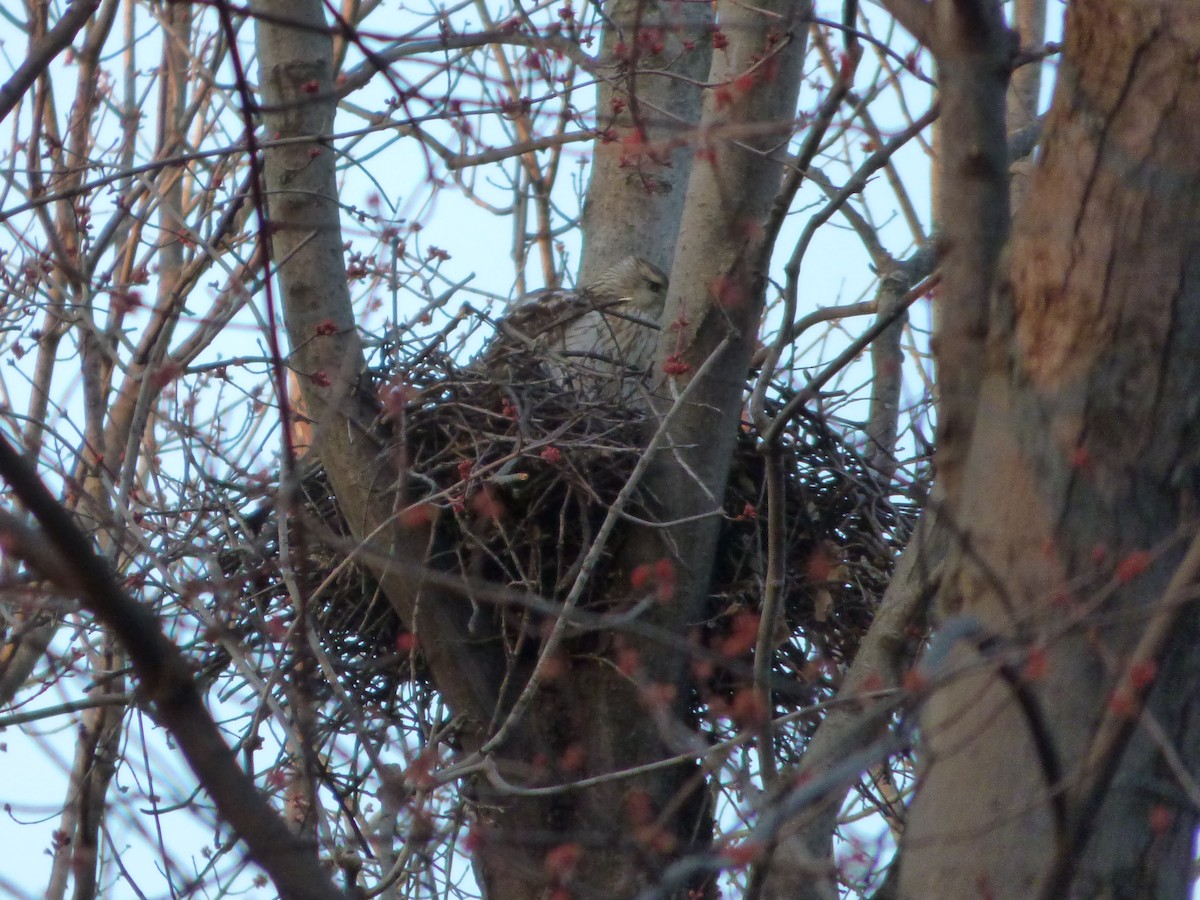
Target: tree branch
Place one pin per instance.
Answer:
(56, 40)
(167, 682)
(886, 652)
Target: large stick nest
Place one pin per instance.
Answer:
(519, 477)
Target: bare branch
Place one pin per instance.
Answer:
(168, 684)
(57, 39)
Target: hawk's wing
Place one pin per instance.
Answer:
(531, 332)
(538, 318)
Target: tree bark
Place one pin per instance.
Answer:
(1077, 471)
(802, 864)
(717, 283)
(659, 55)
(305, 235)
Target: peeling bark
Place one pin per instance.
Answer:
(1079, 479)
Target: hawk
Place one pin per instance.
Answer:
(598, 340)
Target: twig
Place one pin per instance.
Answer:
(63, 709)
(772, 609)
(856, 183)
(806, 396)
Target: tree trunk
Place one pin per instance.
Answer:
(626, 830)
(615, 837)
(1043, 774)
(640, 171)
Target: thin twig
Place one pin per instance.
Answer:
(809, 393)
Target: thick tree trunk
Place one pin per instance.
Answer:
(660, 55)
(305, 235)
(1073, 510)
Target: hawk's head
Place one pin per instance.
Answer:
(633, 281)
